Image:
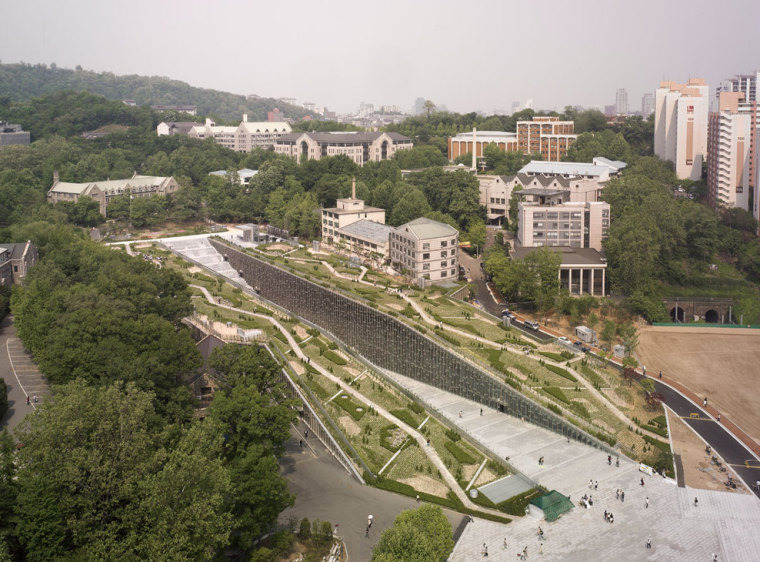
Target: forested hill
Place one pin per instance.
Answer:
(24, 81)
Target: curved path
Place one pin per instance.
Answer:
(418, 437)
(712, 432)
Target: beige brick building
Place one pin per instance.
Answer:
(359, 147)
(426, 250)
(104, 191)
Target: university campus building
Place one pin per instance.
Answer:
(546, 135)
(243, 138)
(426, 250)
(361, 228)
(15, 261)
(359, 147)
(104, 191)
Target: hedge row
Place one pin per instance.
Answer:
(557, 393)
(459, 454)
(406, 417)
(351, 407)
(334, 357)
(516, 505)
(3, 399)
(553, 356)
(664, 447)
(453, 435)
(561, 372)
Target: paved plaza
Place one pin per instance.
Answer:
(722, 523)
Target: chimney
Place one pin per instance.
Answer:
(474, 149)
(55, 177)
(245, 118)
(353, 188)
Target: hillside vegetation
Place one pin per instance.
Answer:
(23, 81)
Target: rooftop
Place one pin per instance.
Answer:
(565, 168)
(424, 228)
(109, 185)
(617, 165)
(485, 135)
(570, 256)
(344, 137)
(369, 230)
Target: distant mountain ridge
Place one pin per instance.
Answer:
(21, 81)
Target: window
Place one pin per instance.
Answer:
(425, 266)
(426, 246)
(443, 274)
(444, 264)
(443, 244)
(426, 256)
(444, 254)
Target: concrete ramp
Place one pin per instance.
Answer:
(505, 488)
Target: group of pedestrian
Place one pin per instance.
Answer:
(593, 484)
(620, 495)
(608, 517)
(587, 501)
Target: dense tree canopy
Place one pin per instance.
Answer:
(417, 535)
(99, 478)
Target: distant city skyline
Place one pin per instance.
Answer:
(479, 59)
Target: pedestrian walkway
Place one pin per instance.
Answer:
(721, 523)
(28, 376)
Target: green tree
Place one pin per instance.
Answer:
(476, 234)
(417, 535)
(412, 205)
(123, 490)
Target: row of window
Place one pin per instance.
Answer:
(555, 215)
(556, 225)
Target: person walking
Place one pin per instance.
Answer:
(481, 411)
(642, 481)
(660, 375)
(704, 402)
(609, 460)
(696, 502)
(596, 484)
(649, 541)
(617, 494)
(306, 434)
(622, 496)
(28, 400)
(300, 443)
(646, 503)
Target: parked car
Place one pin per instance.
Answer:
(578, 343)
(563, 339)
(532, 325)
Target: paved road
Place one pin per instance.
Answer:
(722, 442)
(325, 491)
(20, 374)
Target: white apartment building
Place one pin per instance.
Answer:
(732, 177)
(426, 250)
(600, 170)
(223, 135)
(547, 218)
(680, 125)
(359, 147)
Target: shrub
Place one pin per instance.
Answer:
(659, 421)
(557, 393)
(664, 447)
(406, 417)
(561, 372)
(553, 356)
(304, 530)
(554, 408)
(516, 504)
(453, 435)
(280, 336)
(351, 407)
(459, 454)
(451, 339)
(416, 408)
(385, 438)
(580, 409)
(334, 357)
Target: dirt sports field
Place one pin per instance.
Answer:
(722, 364)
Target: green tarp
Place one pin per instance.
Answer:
(552, 504)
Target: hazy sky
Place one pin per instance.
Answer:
(476, 55)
